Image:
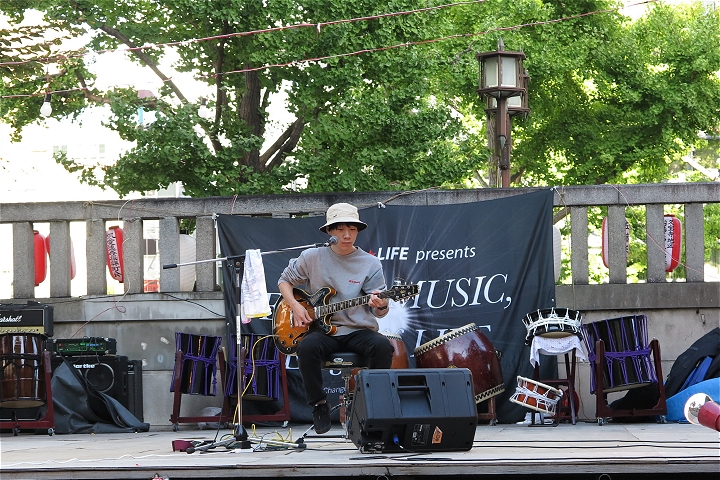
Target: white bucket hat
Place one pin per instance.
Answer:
(343, 213)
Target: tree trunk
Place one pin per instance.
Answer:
(249, 113)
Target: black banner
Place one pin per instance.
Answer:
(488, 263)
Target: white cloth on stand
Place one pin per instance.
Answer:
(253, 292)
(555, 346)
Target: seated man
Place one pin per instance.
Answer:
(353, 273)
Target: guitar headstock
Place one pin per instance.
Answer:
(400, 292)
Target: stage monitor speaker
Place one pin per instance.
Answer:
(413, 410)
(106, 373)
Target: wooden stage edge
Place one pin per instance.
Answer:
(586, 450)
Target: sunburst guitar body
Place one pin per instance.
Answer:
(288, 334)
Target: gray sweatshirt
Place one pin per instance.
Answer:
(353, 276)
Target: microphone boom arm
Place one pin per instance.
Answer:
(331, 241)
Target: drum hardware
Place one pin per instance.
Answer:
(264, 375)
(236, 263)
(552, 323)
(570, 401)
(349, 364)
(626, 350)
(466, 347)
(537, 396)
(195, 373)
(25, 373)
(619, 355)
(400, 354)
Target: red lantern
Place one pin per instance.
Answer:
(673, 242)
(72, 256)
(114, 252)
(605, 241)
(40, 258)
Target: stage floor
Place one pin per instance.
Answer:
(586, 450)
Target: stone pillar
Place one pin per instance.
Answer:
(617, 244)
(133, 255)
(169, 246)
(96, 257)
(694, 242)
(579, 245)
(23, 260)
(655, 243)
(205, 250)
(60, 258)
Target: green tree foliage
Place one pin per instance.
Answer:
(612, 100)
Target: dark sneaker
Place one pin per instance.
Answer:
(321, 418)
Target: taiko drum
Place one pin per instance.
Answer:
(466, 347)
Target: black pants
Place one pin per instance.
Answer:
(316, 346)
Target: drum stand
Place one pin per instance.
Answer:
(175, 417)
(491, 414)
(283, 415)
(569, 382)
(348, 363)
(48, 420)
(237, 262)
(602, 410)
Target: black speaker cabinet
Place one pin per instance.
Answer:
(135, 390)
(108, 374)
(413, 410)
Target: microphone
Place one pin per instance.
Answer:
(330, 241)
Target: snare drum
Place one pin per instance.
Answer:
(198, 369)
(22, 379)
(400, 355)
(466, 347)
(536, 396)
(553, 323)
(627, 353)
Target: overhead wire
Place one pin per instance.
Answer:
(325, 57)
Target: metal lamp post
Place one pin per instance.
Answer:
(504, 82)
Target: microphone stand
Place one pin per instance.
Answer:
(239, 433)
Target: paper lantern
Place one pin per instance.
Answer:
(40, 257)
(673, 242)
(114, 253)
(557, 252)
(605, 241)
(187, 254)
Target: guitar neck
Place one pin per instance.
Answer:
(324, 310)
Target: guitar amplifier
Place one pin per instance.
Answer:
(106, 373)
(31, 318)
(113, 375)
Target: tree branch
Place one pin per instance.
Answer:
(88, 95)
(145, 59)
(283, 145)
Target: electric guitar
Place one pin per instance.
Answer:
(288, 335)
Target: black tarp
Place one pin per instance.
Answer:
(80, 408)
(488, 263)
(706, 346)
